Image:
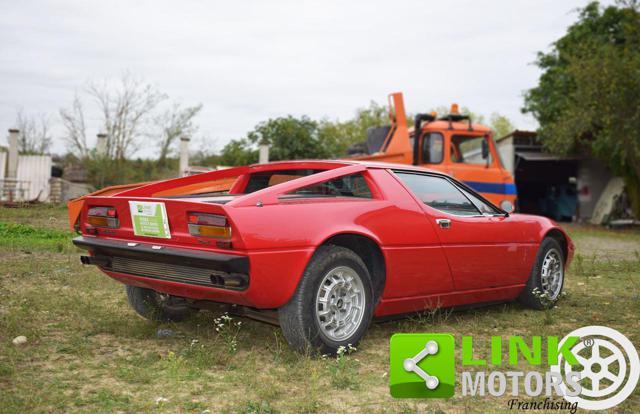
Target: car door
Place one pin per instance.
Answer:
(484, 247)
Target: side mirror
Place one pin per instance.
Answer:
(507, 206)
(485, 149)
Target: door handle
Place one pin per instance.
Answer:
(444, 223)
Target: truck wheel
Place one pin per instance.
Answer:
(333, 304)
(545, 283)
(158, 306)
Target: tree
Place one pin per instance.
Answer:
(34, 138)
(501, 125)
(587, 98)
(205, 155)
(289, 138)
(174, 123)
(238, 152)
(337, 136)
(125, 107)
(75, 128)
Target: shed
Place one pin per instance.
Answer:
(561, 187)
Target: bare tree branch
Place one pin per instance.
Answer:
(125, 110)
(76, 131)
(34, 133)
(174, 123)
(130, 113)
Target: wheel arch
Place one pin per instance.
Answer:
(371, 254)
(561, 238)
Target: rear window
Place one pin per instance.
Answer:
(210, 188)
(348, 186)
(262, 180)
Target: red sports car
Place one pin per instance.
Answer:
(327, 244)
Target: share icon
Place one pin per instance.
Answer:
(411, 364)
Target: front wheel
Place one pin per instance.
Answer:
(546, 281)
(333, 304)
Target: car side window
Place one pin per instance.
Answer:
(432, 148)
(480, 205)
(439, 193)
(348, 186)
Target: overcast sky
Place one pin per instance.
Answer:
(246, 61)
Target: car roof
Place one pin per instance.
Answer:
(344, 162)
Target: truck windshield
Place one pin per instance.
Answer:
(468, 150)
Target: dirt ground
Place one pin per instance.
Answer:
(603, 243)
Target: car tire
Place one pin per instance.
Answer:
(158, 307)
(544, 287)
(332, 306)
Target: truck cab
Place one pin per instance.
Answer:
(451, 143)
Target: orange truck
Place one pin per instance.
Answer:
(452, 144)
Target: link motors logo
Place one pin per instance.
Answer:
(593, 368)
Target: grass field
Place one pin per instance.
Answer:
(87, 351)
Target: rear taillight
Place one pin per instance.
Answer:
(101, 216)
(209, 225)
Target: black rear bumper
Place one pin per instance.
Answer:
(167, 263)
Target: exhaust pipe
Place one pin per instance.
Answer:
(229, 280)
(95, 260)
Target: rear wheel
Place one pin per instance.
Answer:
(546, 281)
(158, 306)
(333, 304)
